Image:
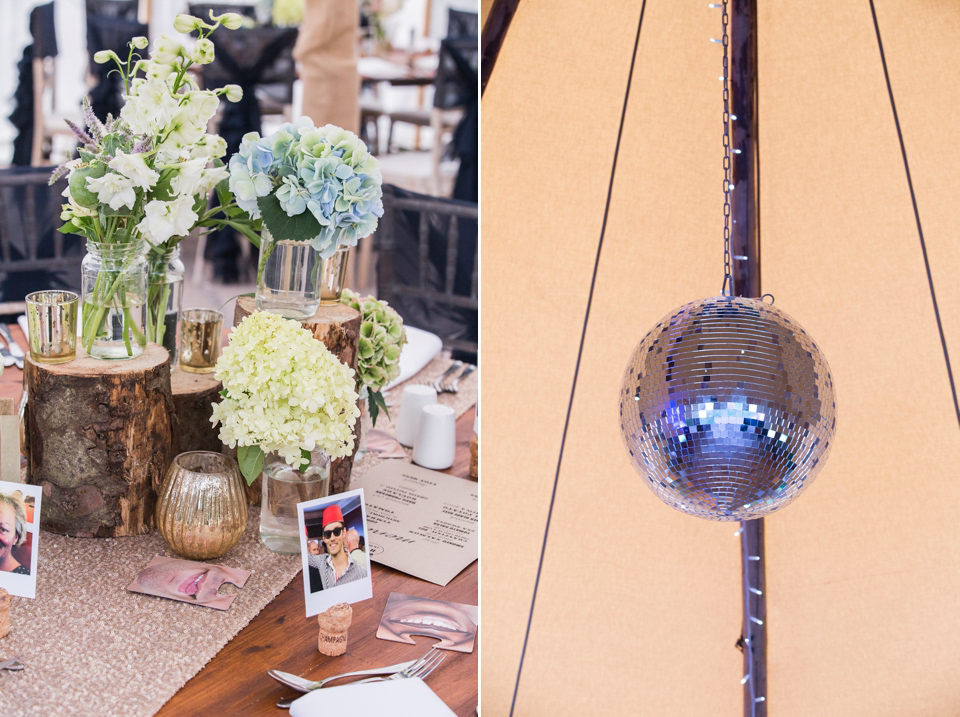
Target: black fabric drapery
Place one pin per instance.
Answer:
(427, 309)
(109, 33)
(29, 220)
(44, 44)
(245, 57)
(456, 86)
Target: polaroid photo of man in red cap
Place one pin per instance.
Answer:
(335, 568)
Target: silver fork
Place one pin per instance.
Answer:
(425, 665)
(14, 347)
(436, 384)
(454, 385)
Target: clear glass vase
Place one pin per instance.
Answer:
(113, 289)
(164, 297)
(284, 487)
(293, 280)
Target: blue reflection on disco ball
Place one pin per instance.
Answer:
(727, 408)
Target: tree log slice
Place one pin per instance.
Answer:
(193, 397)
(338, 327)
(100, 437)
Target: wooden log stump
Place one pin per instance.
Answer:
(193, 397)
(338, 327)
(100, 437)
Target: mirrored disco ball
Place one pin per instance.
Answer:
(727, 408)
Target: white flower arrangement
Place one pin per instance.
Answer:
(283, 391)
(148, 173)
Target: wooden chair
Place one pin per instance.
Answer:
(427, 265)
(33, 255)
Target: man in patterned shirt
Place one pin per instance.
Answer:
(336, 566)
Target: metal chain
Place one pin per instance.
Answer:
(727, 288)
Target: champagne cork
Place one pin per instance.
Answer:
(4, 612)
(333, 629)
(474, 456)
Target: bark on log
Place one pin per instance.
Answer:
(338, 327)
(193, 397)
(100, 436)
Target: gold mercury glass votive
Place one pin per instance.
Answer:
(200, 339)
(202, 505)
(52, 325)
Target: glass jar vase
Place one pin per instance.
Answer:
(293, 280)
(164, 297)
(113, 286)
(284, 487)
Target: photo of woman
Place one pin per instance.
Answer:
(13, 532)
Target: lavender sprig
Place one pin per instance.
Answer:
(94, 125)
(86, 139)
(59, 173)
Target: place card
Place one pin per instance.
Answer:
(188, 581)
(19, 537)
(333, 549)
(422, 522)
(454, 624)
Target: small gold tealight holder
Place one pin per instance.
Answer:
(200, 339)
(52, 325)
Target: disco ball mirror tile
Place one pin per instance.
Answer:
(727, 408)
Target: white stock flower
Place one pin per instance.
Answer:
(164, 220)
(113, 189)
(166, 50)
(211, 178)
(233, 93)
(202, 52)
(149, 106)
(210, 145)
(104, 56)
(189, 177)
(185, 23)
(139, 42)
(135, 168)
(230, 20)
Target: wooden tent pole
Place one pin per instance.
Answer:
(745, 248)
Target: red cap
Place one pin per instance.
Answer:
(332, 514)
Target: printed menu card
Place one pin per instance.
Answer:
(421, 522)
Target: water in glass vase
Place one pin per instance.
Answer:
(283, 488)
(288, 283)
(115, 330)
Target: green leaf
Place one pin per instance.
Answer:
(305, 459)
(250, 459)
(245, 229)
(223, 393)
(302, 227)
(375, 402)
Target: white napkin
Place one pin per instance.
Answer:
(409, 697)
(420, 349)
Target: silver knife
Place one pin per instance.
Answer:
(8, 359)
(14, 347)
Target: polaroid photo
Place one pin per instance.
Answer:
(188, 581)
(333, 547)
(455, 625)
(19, 537)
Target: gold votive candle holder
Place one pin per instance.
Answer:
(52, 325)
(200, 339)
(202, 506)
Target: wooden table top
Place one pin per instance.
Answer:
(235, 681)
